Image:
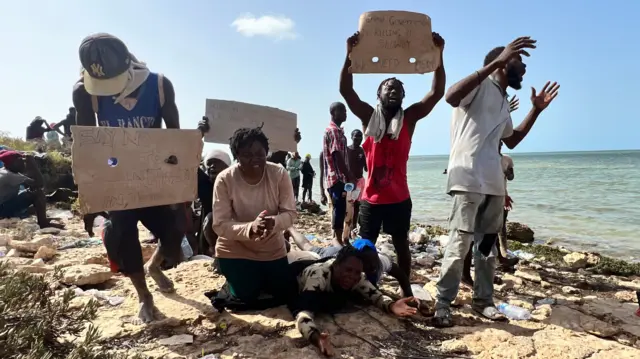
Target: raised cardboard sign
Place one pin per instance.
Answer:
(394, 42)
(128, 168)
(227, 116)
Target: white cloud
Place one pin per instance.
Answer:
(276, 27)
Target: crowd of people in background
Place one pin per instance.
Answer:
(248, 201)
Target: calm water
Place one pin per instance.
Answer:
(582, 200)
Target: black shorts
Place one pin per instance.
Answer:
(394, 219)
(122, 242)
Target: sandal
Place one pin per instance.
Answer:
(490, 312)
(443, 318)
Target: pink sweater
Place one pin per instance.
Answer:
(236, 204)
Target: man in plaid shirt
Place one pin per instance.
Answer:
(336, 174)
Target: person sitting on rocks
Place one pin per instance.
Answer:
(326, 287)
(213, 162)
(375, 263)
(253, 204)
(36, 131)
(14, 201)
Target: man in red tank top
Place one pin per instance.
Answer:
(386, 202)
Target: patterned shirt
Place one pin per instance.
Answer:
(334, 141)
(316, 279)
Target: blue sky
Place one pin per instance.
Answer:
(589, 47)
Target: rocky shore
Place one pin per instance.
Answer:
(582, 305)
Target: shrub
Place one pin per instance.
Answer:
(38, 323)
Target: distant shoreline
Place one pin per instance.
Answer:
(547, 153)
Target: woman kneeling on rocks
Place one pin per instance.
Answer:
(327, 286)
(253, 204)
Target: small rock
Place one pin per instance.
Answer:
(576, 260)
(529, 275)
(4, 239)
(545, 285)
(38, 262)
(45, 253)
(542, 312)
(426, 261)
(570, 290)
(35, 269)
(13, 253)
(33, 245)
(454, 346)
(519, 232)
(521, 304)
(627, 296)
(85, 274)
(177, 340)
(48, 231)
(593, 259)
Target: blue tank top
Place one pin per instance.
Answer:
(147, 113)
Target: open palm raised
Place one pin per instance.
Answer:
(543, 99)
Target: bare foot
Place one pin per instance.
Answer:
(146, 311)
(164, 284)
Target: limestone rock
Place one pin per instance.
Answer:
(4, 239)
(593, 259)
(570, 290)
(35, 269)
(454, 346)
(48, 231)
(45, 253)
(85, 274)
(575, 320)
(14, 253)
(528, 274)
(38, 262)
(576, 260)
(627, 296)
(519, 232)
(33, 245)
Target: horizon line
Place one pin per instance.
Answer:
(544, 152)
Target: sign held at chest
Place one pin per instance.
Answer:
(394, 42)
(225, 117)
(128, 168)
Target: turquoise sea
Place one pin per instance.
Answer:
(580, 200)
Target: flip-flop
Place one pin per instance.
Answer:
(443, 318)
(490, 312)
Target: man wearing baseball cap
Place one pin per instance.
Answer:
(119, 91)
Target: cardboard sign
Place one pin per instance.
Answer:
(394, 42)
(127, 168)
(225, 117)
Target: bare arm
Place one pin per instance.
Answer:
(520, 132)
(359, 108)
(420, 110)
(223, 223)
(82, 102)
(170, 109)
(464, 87)
(287, 211)
(57, 127)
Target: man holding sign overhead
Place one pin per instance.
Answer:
(388, 128)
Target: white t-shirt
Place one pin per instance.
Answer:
(478, 124)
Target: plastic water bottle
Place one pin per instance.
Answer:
(514, 312)
(186, 248)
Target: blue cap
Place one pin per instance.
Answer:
(106, 61)
(361, 244)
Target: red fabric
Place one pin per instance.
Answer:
(334, 141)
(638, 312)
(387, 165)
(7, 156)
(112, 265)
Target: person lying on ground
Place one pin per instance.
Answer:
(252, 206)
(326, 287)
(375, 263)
(14, 201)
